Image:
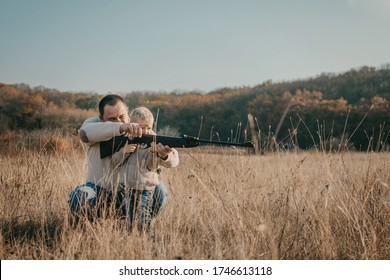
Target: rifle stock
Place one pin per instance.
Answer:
(107, 148)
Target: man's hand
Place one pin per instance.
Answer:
(161, 150)
(133, 129)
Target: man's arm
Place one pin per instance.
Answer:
(94, 130)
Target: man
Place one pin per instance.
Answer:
(100, 192)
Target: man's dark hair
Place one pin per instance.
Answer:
(111, 99)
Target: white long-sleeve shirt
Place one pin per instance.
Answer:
(93, 131)
(138, 170)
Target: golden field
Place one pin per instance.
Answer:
(223, 204)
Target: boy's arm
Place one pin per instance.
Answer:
(169, 158)
(172, 160)
(120, 156)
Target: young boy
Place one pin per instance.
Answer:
(137, 167)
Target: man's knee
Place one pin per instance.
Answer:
(82, 197)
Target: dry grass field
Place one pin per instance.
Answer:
(222, 205)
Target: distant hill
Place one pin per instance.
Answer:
(347, 110)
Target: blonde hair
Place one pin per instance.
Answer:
(141, 113)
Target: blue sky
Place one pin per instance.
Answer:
(121, 46)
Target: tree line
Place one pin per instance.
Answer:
(349, 110)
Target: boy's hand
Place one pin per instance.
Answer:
(161, 150)
(129, 148)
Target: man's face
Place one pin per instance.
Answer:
(116, 113)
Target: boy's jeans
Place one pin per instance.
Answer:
(138, 207)
(160, 196)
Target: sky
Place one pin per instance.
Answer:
(122, 46)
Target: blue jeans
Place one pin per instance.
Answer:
(92, 200)
(138, 207)
(160, 196)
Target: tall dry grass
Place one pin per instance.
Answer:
(222, 205)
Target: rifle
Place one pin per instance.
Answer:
(107, 148)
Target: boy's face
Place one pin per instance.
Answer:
(145, 125)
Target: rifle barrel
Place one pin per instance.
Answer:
(244, 144)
